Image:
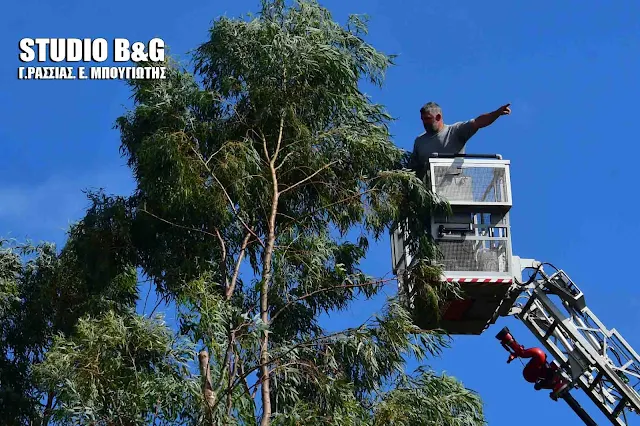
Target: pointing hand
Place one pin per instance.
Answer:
(504, 110)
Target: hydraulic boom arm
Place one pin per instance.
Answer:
(587, 355)
(577, 351)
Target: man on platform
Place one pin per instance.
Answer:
(442, 138)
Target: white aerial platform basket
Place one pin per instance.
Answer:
(475, 240)
(482, 182)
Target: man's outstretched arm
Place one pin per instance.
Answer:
(487, 119)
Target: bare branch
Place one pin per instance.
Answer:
(284, 160)
(301, 219)
(46, 414)
(243, 377)
(279, 144)
(286, 216)
(223, 262)
(207, 388)
(304, 363)
(336, 287)
(144, 310)
(311, 176)
(168, 222)
(264, 146)
(224, 190)
(288, 246)
(162, 299)
(293, 348)
(224, 145)
(231, 365)
(236, 272)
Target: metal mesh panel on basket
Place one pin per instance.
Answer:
(475, 255)
(471, 184)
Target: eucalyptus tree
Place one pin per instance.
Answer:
(263, 175)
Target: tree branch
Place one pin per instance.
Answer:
(233, 366)
(168, 222)
(264, 147)
(236, 272)
(337, 287)
(311, 176)
(326, 206)
(158, 304)
(293, 348)
(304, 363)
(46, 414)
(243, 377)
(279, 144)
(223, 262)
(296, 362)
(215, 153)
(224, 190)
(207, 386)
(284, 160)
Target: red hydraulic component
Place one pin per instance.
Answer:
(538, 370)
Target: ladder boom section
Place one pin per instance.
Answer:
(591, 357)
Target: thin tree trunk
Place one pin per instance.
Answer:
(264, 308)
(207, 386)
(233, 367)
(47, 409)
(266, 279)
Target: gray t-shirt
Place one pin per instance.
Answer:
(450, 140)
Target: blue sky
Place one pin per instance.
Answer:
(568, 68)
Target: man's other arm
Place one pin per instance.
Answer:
(487, 119)
(416, 162)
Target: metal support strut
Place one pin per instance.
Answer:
(578, 409)
(587, 355)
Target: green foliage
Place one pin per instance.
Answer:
(428, 292)
(262, 176)
(123, 367)
(43, 294)
(15, 390)
(429, 399)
